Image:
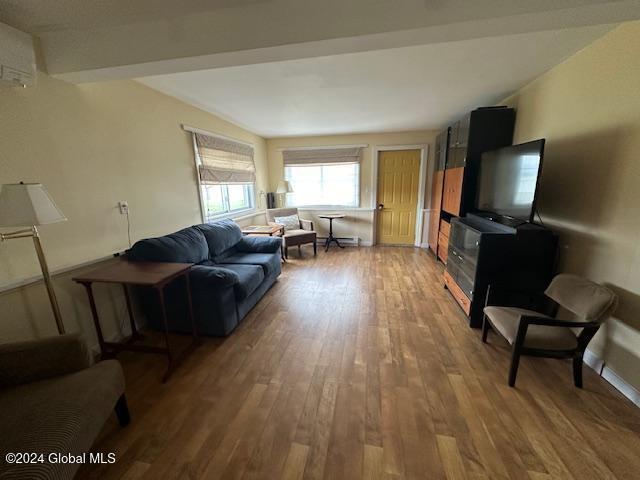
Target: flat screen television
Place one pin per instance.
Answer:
(508, 181)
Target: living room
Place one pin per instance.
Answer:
(340, 345)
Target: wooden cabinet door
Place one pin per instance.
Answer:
(452, 190)
(436, 207)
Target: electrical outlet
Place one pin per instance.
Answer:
(124, 207)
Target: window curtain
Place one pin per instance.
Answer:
(224, 161)
(321, 156)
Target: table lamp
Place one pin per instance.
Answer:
(284, 187)
(29, 205)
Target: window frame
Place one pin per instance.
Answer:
(228, 213)
(327, 164)
(249, 194)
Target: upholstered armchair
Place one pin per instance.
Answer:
(538, 332)
(300, 233)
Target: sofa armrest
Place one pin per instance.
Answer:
(26, 362)
(259, 244)
(205, 277)
(306, 224)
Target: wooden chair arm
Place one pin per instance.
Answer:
(501, 295)
(553, 322)
(306, 224)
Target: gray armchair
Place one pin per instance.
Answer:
(53, 400)
(294, 237)
(537, 332)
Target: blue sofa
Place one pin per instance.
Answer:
(231, 275)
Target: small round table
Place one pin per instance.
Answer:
(331, 217)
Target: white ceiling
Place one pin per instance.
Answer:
(397, 89)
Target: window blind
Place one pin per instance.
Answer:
(223, 161)
(321, 156)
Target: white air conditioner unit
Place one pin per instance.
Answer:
(17, 58)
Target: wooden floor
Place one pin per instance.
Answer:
(357, 364)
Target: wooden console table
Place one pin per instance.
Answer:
(148, 274)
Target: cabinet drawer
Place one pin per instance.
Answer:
(445, 227)
(457, 293)
(443, 250)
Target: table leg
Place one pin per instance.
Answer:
(163, 309)
(190, 307)
(132, 321)
(282, 255)
(96, 319)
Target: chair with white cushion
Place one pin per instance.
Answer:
(531, 332)
(297, 231)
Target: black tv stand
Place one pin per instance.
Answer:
(502, 219)
(483, 252)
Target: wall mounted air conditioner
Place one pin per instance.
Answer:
(17, 58)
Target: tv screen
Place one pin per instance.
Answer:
(508, 180)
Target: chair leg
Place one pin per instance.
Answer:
(122, 411)
(315, 248)
(515, 361)
(286, 252)
(299, 251)
(485, 329)
(577, 371)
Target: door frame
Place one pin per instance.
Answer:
(422, 186)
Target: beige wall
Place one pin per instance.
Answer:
(588, 109)
(359, 222)
(93, 145)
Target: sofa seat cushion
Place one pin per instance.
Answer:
(507, 319)
(269, 262)
(60, 415)
(250, 278)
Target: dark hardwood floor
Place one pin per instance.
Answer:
(357, 364)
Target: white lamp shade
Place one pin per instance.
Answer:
(27, 204)
(284, 186)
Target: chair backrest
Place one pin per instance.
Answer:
(586, 299)
(271, 213)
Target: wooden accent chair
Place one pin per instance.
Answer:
(538, 332)
(294, 237)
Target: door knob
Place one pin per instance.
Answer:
(380, 206)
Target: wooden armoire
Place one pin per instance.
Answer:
(457, 151)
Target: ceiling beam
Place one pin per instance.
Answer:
(263, 32)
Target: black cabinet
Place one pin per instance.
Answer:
(482, 252)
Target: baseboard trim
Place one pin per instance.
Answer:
(597, 364)
(424, 245)
(351, 241)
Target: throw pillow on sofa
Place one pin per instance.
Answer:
(290, 222)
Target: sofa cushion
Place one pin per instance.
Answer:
(269, 262)
(221, 237)
(249, 278)
(258, 244)
(290, 222)
(185, 246)
(61, 415)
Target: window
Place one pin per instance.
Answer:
(323, 176)
(330, 184)
(226, 198)
(226, 173)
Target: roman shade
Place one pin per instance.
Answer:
(224, 161)
(309, 156)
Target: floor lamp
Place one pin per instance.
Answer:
(284, 187)
(29, 205)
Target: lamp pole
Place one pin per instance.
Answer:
(33, 232)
